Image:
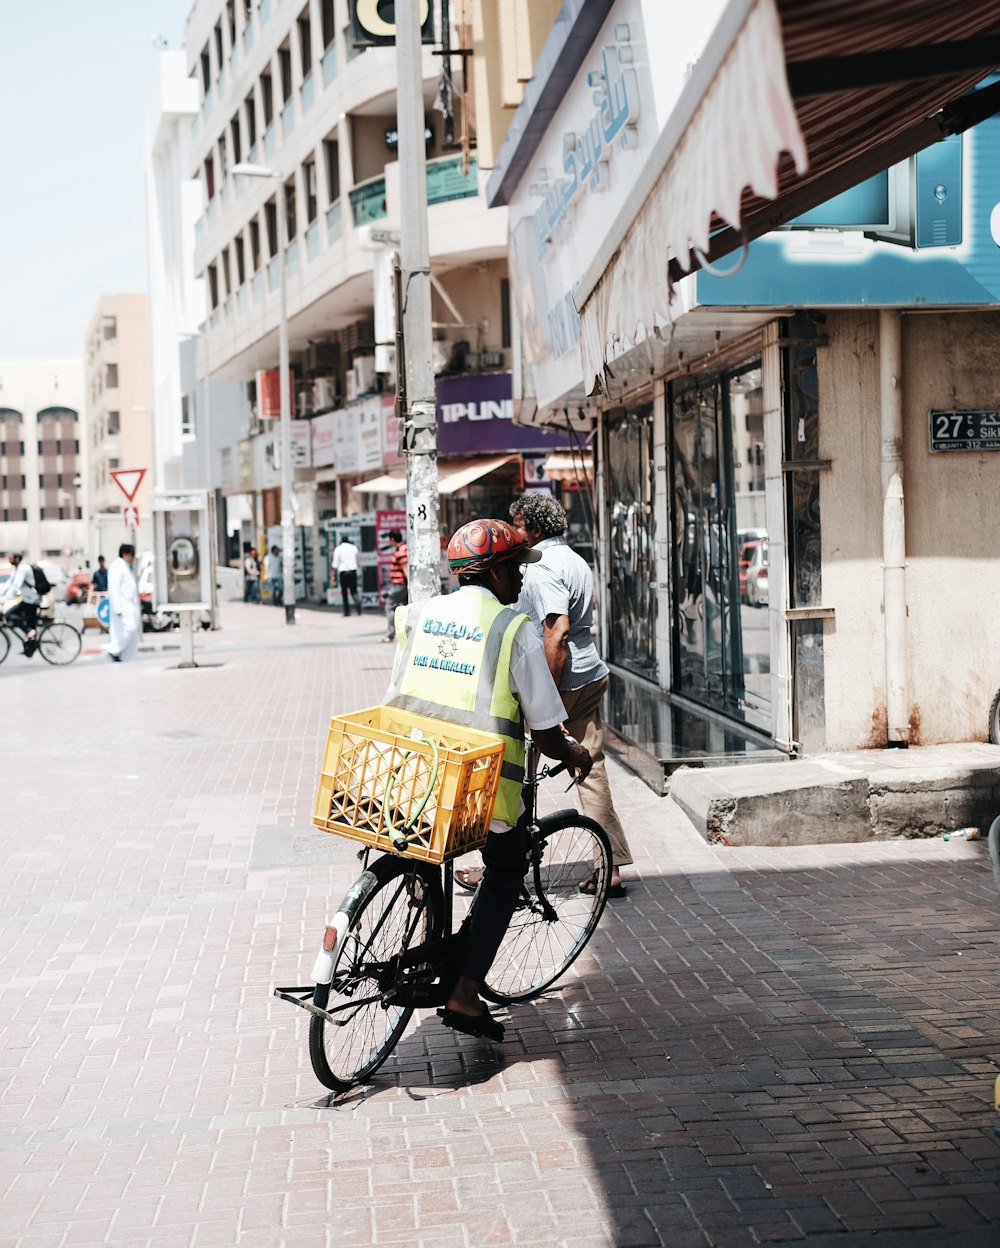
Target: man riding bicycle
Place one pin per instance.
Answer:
(489, 672)
(24, 614)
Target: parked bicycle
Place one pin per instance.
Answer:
(392, 948)
(56, 641)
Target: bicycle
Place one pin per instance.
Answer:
(56, 641)
(392, 948)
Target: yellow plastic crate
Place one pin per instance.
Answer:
(368, 749)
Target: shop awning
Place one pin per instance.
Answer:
(570, 468)
(790, 104)
(453, 475)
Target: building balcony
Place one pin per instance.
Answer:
(248, 37)
(329, 64)
(270, 142)
(307, 94)
(257, 287)
(273, 276)
(292, 258)
(334, 223)
(265, 10)
(288, 118)
(312, 241)
(368, 201)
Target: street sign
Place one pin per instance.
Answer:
(104, 612)
(130, 515)
(965, 431)
(128, 480)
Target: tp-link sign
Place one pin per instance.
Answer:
(374, 22)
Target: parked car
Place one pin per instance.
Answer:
(748, 549)
(78, 587)
(755, 578)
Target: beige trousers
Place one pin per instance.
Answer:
(583, 721)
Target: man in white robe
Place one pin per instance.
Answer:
(125, 627)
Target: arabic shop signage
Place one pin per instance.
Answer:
(587, 154)
(965, 431)
(475, 416)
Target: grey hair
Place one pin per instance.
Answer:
(542, 513)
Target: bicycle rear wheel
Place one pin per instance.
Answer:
(59, 643)
(554, 919)
(4, 644)
(392, 906)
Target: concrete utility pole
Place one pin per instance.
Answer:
(420, 417)
(287, 474)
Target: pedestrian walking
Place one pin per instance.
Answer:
(397, 594)
(558, 594)
(25, 612)
(513, 690)
(99, 581)
(345, 564)
(275, 577)
(251, 575)
(125, 624)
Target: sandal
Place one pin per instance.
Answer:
(469, 877)
(589, 886)
(480, 1025)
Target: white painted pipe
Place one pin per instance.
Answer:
(893, 528)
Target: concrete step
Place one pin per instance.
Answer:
(861, 795)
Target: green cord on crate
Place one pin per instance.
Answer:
(399, 842)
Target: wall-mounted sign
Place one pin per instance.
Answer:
(475, 415)
(392, 137)
(587, 153)
(269, 393)
(374, 22)
(965, 431)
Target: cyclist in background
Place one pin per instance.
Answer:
(23, 614)
(469, 658)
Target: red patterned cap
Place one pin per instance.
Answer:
(478, 545)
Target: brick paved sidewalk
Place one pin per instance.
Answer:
(758, 1045)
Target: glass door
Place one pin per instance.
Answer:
(629, 491)
(720, 638)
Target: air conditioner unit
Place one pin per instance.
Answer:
(352, 386)
(322, 357)
(385, 361)
(364, 373)
(324, 394)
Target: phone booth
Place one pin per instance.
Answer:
(184, 563)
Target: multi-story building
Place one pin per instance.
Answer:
(795, 446)
(119, 425)
(42, 458)
(286, 86)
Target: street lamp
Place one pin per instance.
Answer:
(247, 170)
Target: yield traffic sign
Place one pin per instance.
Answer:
(128, 480)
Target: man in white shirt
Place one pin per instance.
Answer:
(558, 594)
(24, 613)
(345, 564)
(125, 624)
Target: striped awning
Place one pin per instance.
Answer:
(791, 103)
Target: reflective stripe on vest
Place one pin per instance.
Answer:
(430, 684)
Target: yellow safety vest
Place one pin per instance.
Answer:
(456, 667)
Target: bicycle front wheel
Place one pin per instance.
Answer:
(554, 918)
(59, 643)
(4, 644)
(393, 906)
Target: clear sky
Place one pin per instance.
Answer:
(74, 83)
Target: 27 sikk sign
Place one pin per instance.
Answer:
(374, 22)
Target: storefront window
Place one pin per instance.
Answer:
(720, 548)
(629, 490)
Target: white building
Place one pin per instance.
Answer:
(42, 459)
(176, 297)
(283, 85)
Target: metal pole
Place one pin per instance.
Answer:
(420, 416)
(287, 514)
(893, 529)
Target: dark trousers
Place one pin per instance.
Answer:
(24, 615)
(396, 597)
(505, 857)
(349, 585)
